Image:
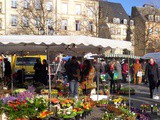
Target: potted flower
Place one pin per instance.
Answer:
(106, 91)
(101, 92)
(23, 105)
(108, 116)
(44, 114)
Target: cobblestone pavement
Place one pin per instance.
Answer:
(141, 97)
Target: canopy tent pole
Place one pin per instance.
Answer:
(98, 83)
(49, 73)
(98, 76)
(129, 82)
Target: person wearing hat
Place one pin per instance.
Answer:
(137, 68)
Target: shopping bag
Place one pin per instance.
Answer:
(91, 85)
(139, 74)
(116, 75)
(155, 94)
(107, 76)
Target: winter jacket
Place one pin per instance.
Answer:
(152, 72)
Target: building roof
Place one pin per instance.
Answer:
(113, 10)
(145, 11)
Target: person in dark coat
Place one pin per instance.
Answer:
(152, 75)
(44, 72)
(7, 72)
(37, 68)
(73, 72)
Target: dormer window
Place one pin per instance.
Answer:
(150, 18)
(157, 18)
(116, 20)
(131, 22)
(125, 21)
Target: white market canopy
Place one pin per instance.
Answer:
(155, 55)
(66, 44)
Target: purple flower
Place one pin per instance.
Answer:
(9, 99)
(31, 88)
(25, 95)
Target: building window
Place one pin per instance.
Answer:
(0, 7)
(131, 22)
(157, 18)
(90, 11)
(150, 31)
(150, 18)
(37, 22)
(49, 6)
(25, 21)
(119, 31)
(78, 24)
(38, 4)
(78, 9)
(14, 4)
(26, 4)
(64, 8)
(116, 20)
(125, 32)
(157, 31)
(90, 26)
(49, 21)
(125, 21)
(64, 24)
(14, 20)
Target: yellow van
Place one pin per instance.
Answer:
(26, 63)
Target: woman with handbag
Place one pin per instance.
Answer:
(88, 73)
(136, 69)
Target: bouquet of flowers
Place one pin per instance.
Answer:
(23, 105)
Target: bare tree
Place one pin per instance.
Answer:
(91, 21)
(35, 17)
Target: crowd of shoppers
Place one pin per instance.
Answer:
(80, 74)
(41, 72)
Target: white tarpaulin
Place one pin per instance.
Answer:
(64, 44)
